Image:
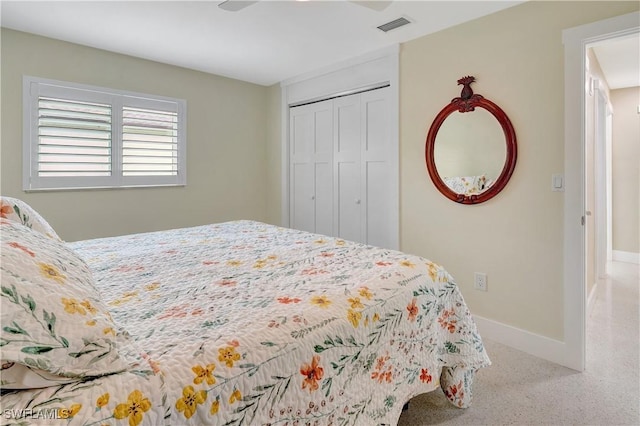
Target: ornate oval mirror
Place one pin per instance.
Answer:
(471, 148)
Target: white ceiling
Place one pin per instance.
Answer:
(265, 43)
(269, 41)
(619, 60)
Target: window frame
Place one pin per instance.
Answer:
(36, 87)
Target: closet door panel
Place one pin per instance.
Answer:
(347, 121)
(311, 181)
(375, 154)
(303, 205)
(377, 219)
(376, 117)
(323, 138)
(324, 198)
(301, 171)
(374, 120)
(349, 201)
(347, 148)
(323, 167)
(302, 129)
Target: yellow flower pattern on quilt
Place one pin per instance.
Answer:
(133, 409)
(51, 272)
(321, 301)
(235, 396)
(102, 400)
(72, 306)
(190, 400)
(244, 323)
(228, 355)
(204, 374)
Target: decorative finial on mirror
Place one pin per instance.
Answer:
(467, 100)
(467, 91)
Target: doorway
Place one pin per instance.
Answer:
(576, 41)
(612, 71)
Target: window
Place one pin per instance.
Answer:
(78, 136)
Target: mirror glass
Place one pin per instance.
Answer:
(470, 151)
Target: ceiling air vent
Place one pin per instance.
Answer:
(392, 25)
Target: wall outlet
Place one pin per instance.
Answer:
(480, 281)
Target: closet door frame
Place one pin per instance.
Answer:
(352, 76)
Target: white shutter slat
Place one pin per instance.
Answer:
(72, 149)
(66, 173)
(149, 142)
(74, 167)
(75, 158)
(74, 138)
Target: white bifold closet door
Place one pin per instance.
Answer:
(340, 152)
(311, 172)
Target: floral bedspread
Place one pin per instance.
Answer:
(244, 323)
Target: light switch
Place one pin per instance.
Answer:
(557, 183)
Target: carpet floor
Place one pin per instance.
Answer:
(520, 389)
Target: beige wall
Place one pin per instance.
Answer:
(274, 155)
(226, 123)
(517, 238)
(626, 173)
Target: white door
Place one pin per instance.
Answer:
(311, 150)
(347, 153)
(603, 185)
(362, 168)
(376, 153)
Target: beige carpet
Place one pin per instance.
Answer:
(519, 389)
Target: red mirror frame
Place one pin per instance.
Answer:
(467, 102)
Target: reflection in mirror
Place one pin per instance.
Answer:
(470, 151)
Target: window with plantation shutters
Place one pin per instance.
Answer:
(91, 137)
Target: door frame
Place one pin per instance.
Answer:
(575, 42)
(354, 75)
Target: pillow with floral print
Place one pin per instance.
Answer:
(18, 211)
(19, 376)
(53, 318)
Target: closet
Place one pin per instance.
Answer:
(341, 168)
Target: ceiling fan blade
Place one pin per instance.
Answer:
(378, 5)
(235, 5)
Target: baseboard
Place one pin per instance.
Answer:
(626, 256)
(522, 340)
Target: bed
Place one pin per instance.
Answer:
(237, 323)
